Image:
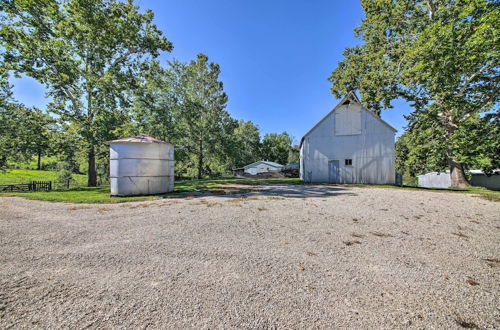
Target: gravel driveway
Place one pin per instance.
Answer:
(278, 257)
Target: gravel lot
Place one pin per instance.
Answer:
(278, 257)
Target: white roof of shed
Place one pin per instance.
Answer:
(273, 164)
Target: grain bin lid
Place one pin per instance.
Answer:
(138, 139)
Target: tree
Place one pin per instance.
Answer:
(63, 146)
(246, 143)
(294, 154)
(203, 120)
(185, 104)
(87, 53)
(5, 123)
(156, 103)
(38, 129)
(24, 132)
(440, 55)
(422, 147)
(276, 147)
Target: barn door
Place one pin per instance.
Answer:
(333, 171)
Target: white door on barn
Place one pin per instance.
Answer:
(333, 171)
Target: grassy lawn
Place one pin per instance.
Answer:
(77, 195)
(26, 176)
(101, 194)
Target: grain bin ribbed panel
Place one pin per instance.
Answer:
(141, 165)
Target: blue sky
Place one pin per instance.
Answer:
(275, 55)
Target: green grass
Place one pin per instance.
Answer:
(26, 176)
(102, 194)
(78, 195)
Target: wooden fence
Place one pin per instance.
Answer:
(33, 186)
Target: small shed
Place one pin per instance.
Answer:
(262, 166)
(435, 180)
(141, 165)
(443, 179)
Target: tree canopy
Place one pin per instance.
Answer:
(87, 53)
(440, 55)
(276, 147)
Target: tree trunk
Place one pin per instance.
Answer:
(39, 162)
(457, 173)
(92, 174)
(200, 160)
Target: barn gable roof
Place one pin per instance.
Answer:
(349, 97)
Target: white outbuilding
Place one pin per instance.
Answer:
(262, 166)
(351, 144)
(477, 178)
(141, 165)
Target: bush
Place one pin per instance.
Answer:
(65, 175)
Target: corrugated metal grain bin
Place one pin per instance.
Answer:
(141, 165)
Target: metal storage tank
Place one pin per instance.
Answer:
(141, 165)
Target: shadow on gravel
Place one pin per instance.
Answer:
(284, 191)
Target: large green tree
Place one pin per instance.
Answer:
(440, 55)
(157, 101)
(246, 143)
(24, 132)
(87, 53)
(204, 123)
(276, 147)
(422, 147)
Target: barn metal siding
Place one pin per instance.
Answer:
(372, 151)
(434, 180)
(490, 182)
(443, 180)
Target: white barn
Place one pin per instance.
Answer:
(262, 166)
(350, 144)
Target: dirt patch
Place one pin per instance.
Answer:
(79, 207)
(348, 243)
(379, 234)
(492, 262)
(460, 234)
(242, 199)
